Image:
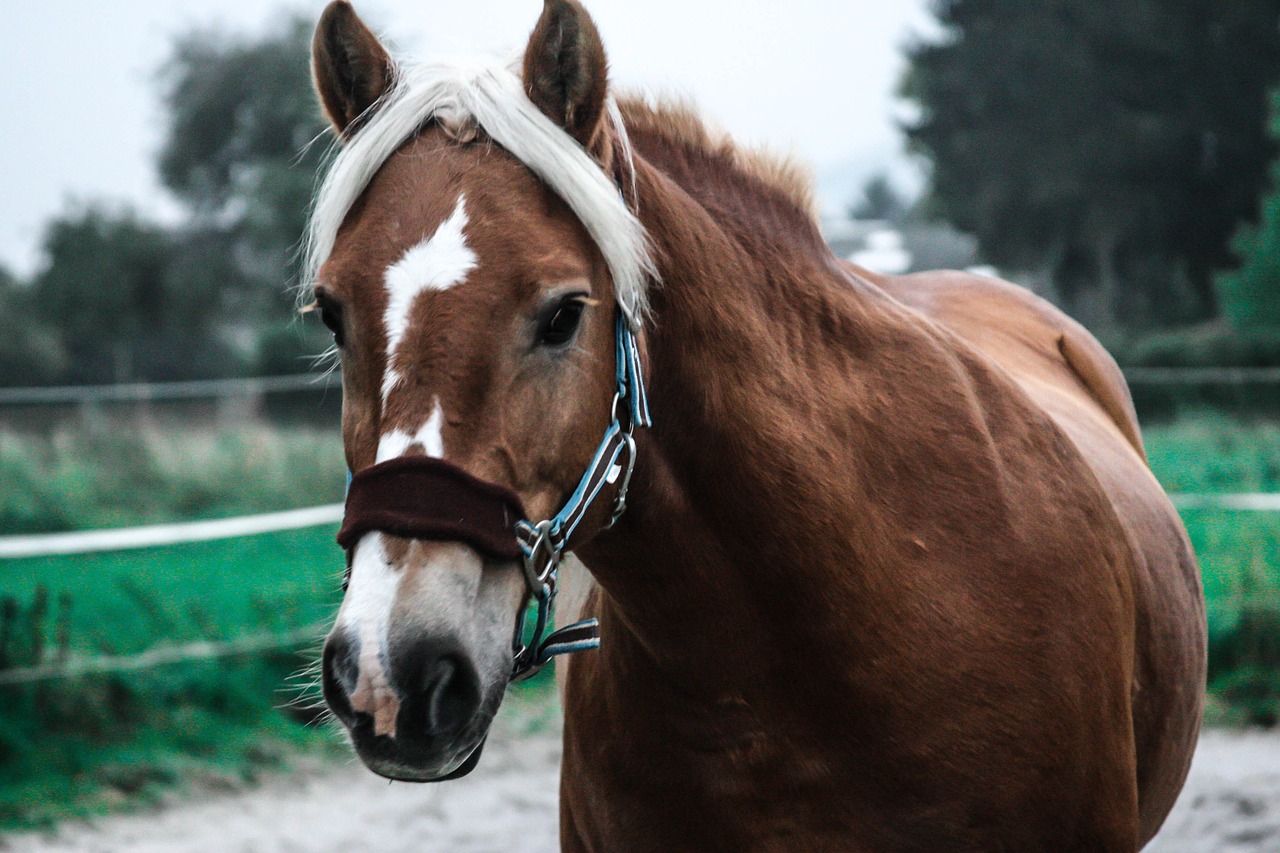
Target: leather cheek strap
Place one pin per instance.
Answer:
(417, 497)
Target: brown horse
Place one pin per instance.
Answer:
(893, 574)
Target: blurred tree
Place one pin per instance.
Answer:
(1250, 295)
(119, 298)
(122, 310)
(879, 200)
(30, 352)
(1112, 147)
(240, 154)
(242, 120)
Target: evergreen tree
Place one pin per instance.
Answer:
(30, 350)
(1250, 295)
(1111, 147)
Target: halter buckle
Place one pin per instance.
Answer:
(624, 480)
(542, 547)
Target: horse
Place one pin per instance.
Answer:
(875, 563)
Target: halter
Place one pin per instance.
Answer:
(543, 544)
(418, 497)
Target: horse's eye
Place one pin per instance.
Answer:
(331, 316)
(561, 323)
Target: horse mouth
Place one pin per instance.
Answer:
(409, 763)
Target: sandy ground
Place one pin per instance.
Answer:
(1231, 802)
(508, 805)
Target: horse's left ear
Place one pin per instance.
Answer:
(566, 73)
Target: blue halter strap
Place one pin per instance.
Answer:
(544, 543)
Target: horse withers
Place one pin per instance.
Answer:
(892, 573)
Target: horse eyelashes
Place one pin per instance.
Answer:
(331, 316)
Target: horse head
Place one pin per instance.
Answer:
(473, 255)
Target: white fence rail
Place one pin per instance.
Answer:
(157, 535)
(1256, 502)
(150, 536)
(142, 392)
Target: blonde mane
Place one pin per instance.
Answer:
(490, 97)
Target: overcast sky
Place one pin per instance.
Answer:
(812, 76)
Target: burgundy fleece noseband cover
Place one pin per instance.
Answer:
(417, 497)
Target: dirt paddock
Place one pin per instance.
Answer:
(1231, 804)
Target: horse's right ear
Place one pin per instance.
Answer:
(566, 74)
(350, 67)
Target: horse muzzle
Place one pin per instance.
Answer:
(422, 717)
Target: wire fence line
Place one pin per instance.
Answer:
(144, 392)
(163, 656)
(1202, 375)
(208, 389)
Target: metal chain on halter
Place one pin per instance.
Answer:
(543, 544)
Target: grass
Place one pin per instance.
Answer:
(112, 474)
(1215, 454)
(122, 603)
(1239, 554)
(79, 746)
(82, 745)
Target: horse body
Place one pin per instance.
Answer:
(1059, 365)
(893, 573)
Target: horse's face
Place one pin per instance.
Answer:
(474, 318)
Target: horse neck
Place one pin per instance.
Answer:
(711, 571)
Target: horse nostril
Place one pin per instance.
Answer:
(339, 672)
(450, 699)
(446, 695)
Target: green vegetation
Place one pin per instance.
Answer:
(76, 744)
(1211, 454)
(1239, 556)
(119, 297)
(1251, 294)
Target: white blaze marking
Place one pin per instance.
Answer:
(430, 435)
(439, 262)
(366, 614)
(370, 593)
